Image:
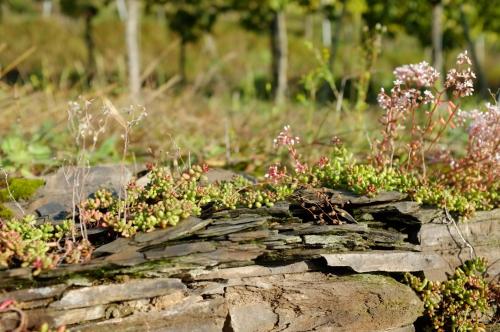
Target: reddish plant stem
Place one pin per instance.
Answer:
(443, 128)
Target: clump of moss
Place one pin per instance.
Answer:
(5, 213)
(20, 189)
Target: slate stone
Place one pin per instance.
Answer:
(283, 238)
(223, 255)
(201, 316)
(129, 257)
(292, 226)
(279, 210)
(484, 231)
(343, 197)
(457, 256)
(426, 215)
(262, 317)
(385, 260)
(485, 215)
(182, 249)
(316, 302)
(404, 207)
(251, 271)
(53, 211)
(249, 236)
(12, 278)
(224, 229)
(241, 219)
(59, 186)
(324, 240)
(32, 294)
(113, 247)
(64, 317)
(330, 229)
(386, 236)
(184, 228)
(134, 289)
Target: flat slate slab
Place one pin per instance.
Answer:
(386, 261)
(183, 229)
(135, 289)
(56, 199)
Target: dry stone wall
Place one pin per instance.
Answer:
(266, 269)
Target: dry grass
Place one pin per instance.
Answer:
(217, 129)
(216, 117)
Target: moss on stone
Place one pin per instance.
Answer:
(5, 213)
(21, 189)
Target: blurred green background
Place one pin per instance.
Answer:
(218, 78)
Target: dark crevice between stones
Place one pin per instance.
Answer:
(402, 223)
(227, 327)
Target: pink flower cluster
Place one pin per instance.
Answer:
(421, 74)
(285, 138)
(403, 99)
(461, 82)
(407, 91)
(275, 174)
(484, 136)
(414, 87)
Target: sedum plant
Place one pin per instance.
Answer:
(342, 171)
(411, 156)
(459, 304)
(25, 243)
(166, 199)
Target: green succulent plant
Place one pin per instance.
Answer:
(458, 304)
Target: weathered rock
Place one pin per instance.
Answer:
(243, 253)
(407, 328)
(113, 247)
(249, 236)
(239, 220)
(326, 241)
(385, 260)
(442, 236)
(457, 256)
(32, 294)
(64, 317)
(57, 198)
(343, 197)
(252, 271)
(183, 229)
(313, 301)
(127, 257)
(394, 208)
(134, 289)
(183, 249)
(306, 229)
(203, 316)
(279, 210)
(53, 211)
(492, 215)
(228, 228)
(283, 238)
